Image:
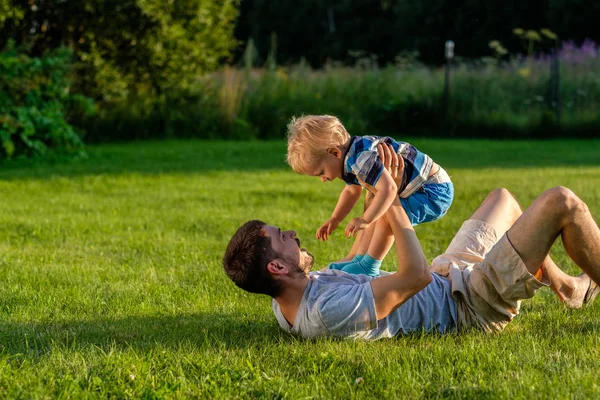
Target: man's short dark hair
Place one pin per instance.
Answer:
(246, 258)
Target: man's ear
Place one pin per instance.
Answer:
(275, 267)
(334, 151)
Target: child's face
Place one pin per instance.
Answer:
(330, 167)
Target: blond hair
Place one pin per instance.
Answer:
(309, 137)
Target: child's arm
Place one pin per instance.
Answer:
(348, 198)
(386, 192)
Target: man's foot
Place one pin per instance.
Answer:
(584, 292)
(591, 293)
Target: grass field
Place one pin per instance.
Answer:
(111, 282)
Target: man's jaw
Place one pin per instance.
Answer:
(308, 260)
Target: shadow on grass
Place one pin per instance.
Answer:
(201, 330)
(155, 157)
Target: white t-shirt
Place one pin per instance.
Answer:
(336, 303)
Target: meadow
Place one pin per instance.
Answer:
(111, 283)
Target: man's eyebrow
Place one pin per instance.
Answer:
(279, 230)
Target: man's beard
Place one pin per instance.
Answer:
(303, 266)
(308, 261)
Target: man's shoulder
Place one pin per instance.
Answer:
(335, 303)
(337, 277)
(327, 286)
(321, 287)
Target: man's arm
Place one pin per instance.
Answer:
(413, 273)
(377, 177)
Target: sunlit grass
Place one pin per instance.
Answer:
(111, 282)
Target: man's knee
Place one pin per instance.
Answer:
(500, 194)
(563, 201)
(505, 197)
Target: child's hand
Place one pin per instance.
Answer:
(356, 225)
(325, 230)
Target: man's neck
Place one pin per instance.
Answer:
(291, 297)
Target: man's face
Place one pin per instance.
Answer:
(287, 246)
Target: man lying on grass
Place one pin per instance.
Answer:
(478, 282)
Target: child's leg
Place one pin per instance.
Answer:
(380, 244)
(428, 205)
(367, 234)
(361, 243)
(364, 242)
(382, 241)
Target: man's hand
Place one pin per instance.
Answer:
(325, 230)
(356, 225)
(392, 162)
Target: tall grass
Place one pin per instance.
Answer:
(487, 99)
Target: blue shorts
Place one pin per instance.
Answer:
(429, 203)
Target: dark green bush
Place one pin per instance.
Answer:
(34, 103)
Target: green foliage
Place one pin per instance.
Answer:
(138, 59)
(487, 100)
(112, 283)
(181, 41)
(9, 11)
(130, 48)
(34, 102)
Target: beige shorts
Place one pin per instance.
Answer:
(488, 277)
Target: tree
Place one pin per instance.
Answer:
(127, 48)
(322, 30)
(9, 11)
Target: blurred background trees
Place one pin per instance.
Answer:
(238, 69)
(126, 47)
(322, 30)
(132, 57)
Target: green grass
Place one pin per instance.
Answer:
(111, 282)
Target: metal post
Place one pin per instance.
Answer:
(331, 19)
(449, 55)
(555, 78)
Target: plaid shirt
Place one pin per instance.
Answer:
(362, 164)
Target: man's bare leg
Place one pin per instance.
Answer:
(558, 212)
(501, 210)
